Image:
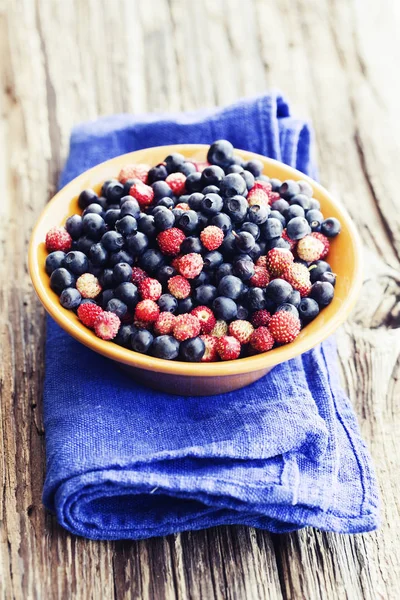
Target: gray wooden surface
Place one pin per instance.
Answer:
(63, 61)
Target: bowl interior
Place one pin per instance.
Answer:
(344, 257)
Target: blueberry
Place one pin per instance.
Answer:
(128, 293)
(289, 189)
(126, 225)
(251, 228)
(224, 308)
(322, 292)
(228, 246)
(274, 214)
(301, 200)
(163, 219)
(314, 218)
(329, 277)
(280, 205)
(212, 260)
(220, 153)
(167, 303)
(114, 191)
(120, 256)
(195, 200)
(204, 294)
(256, 298)
(203, 221)
(61, 279)
(248, 178)
(84, 244)
(166, 347)
(236, 208)
(188, 221)
(188, 168)
(330, 227)
(308, 309)
(184, 198)
(255, 167)
(185, 305)
(116, 306)
(105, 297)
(223, 270)
(157, 173)
(278, 243)
(106, 279)
(164, 273)
(278, 290)
(123, 337)
(192, 350)
(141, 341)
(317, 268)
(238, 160)
(166, 202)
(194, 183)
(242, 312)
(93, 226)
(230, 287)
(222, 221)
(244, 269)
(122, 272)
(210, 189)
(146, 225)
(95, 270)
(130, 207)
(212, 204)
(258, 214)
(94, 209)
(235, 168)
(202, 278)
(86, 197)
(298, 228)
(305, 188)
(70, 298)
(192, 244)
(232, 185)
(287, 307)
(212, 176)
(151, 260)
(76, 262)
(255, 252)
(161, 190)
(112, 241)
(272, 228)
(244, 241)
(54, 261)
(137, 243)
(276, 184)
(294, 298)
(314, 203)
(177, 212)
(74, 226)
(173, 162)
(111, 217)
(293, 211)
(127, 187)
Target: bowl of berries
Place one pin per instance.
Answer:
(196, 268)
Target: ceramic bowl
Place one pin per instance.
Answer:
(198, 378)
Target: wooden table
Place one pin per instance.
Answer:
(62, 62)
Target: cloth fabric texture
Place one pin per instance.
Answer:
(124, 461)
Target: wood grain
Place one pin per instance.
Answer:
(64, 62)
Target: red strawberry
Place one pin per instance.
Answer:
(88, 313)
(310, 248)
(298, 276)
(134, 171)
(106, 325)
(58, 238)
(183, 206)
(278, 259)
(258, 196)
(228, 347)
(147, 310)
(170, 241)
(176, 182)
(206, 317)
(179, 287)
(260, 278)
(284, 327)
(289, 240)
(261, 318)
(88, 286)
(261, 340)
(186, 326)
(165, 323)
(150, 289)
(322, 238)
(143, 193)
(241, 330)
(210, 354)
(212, 237)
(190, 265)
(138, 275)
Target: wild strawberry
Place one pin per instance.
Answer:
(210, 354)
(170, 241)
(142, 193)
(176, 182)
(261, 262)
(190, 265)
(322, 238)
(260, 278)
(138, 275)
(150, 289)
(212, 237)
(175, 262)
(106, 325)
(278, 259)
(261, 340)
(261, 318)
(186, 326)
(260, 184)
(273, 197)
(179, 287)
(284, 327)
(58, 238)
(241, 330)
(88, 313)
(134, 171)
(200, 166)
(88, 285)
(147, 310)
(206, 317)
(220, 328)
(298, 276)
(165, 323)
(258, 196)
(183, 206)
(228, 347)
(140, 324)
(309, 248)
(289, 240)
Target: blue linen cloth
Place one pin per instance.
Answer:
(124, 461)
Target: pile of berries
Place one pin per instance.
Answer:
(195, 261)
